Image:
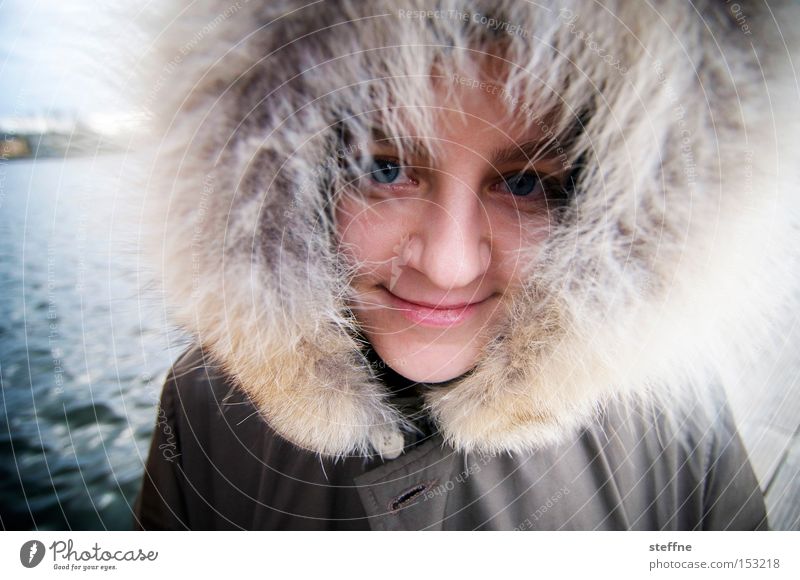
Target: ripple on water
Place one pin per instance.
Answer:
(76, 415)
(79, 414)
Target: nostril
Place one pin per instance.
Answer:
(409, 495)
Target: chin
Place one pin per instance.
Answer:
(438, 373)
(427, 364)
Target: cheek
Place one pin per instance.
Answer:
(367, 235)
(517, 240)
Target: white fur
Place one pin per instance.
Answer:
(653, 286)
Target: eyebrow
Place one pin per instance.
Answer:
(415, 147)
(527, 152)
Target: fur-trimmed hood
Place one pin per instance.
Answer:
(670, 265)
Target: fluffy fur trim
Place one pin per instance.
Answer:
(667, 271)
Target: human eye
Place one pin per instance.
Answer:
(531, 187)
(525, 184)
(387, 175)
(384, 171)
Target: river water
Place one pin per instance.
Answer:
(83, 353)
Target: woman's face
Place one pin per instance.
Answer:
(437, 244)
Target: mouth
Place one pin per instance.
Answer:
(425, 314)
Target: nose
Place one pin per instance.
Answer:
(451, 245)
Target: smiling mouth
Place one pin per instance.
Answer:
(434, 316)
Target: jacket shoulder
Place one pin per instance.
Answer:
(697, 452)
(203, 421)
(207, 404)
(195, 374)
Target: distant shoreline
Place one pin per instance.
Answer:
(54, 145)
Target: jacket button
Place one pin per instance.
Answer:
(389, 444)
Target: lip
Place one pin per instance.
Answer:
(434, 316)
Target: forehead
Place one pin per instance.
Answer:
(476, 114)
(482, 102)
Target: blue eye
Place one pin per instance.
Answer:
(521, 184)
(384, 170)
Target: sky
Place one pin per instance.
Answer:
(62, 57)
